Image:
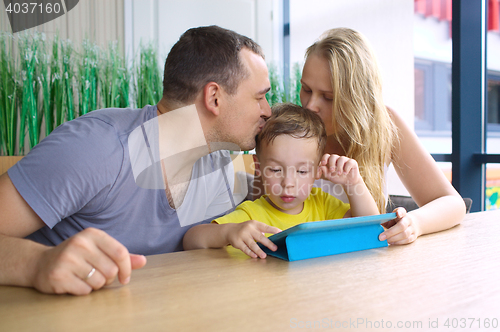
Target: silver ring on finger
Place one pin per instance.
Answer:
(91, 273)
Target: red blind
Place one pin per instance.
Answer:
(441, 10)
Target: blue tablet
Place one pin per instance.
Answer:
(328, 225)
(329, 237)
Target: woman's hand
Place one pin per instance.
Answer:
(401, 230)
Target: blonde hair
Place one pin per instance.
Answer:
(362, 123)
(293, 120)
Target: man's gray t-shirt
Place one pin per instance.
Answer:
(80, 176)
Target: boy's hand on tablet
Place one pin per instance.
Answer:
(243, 236)
(339, 169)
(401, 230)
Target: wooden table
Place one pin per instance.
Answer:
(450, 275)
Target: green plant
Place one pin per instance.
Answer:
(87, 81)
(43, 85)
(125, 83)
(295, 85)
(148, 82)
(277, 94)
(115, 79)
(8, 97)
(55, 117)
(46, 81)
(67, 76)
(28, 48)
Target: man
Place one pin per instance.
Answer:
(80, 194)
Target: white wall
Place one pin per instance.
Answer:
(163, 21)
(432, 41)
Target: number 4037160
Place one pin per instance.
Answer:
(471, 322)
(33, 7)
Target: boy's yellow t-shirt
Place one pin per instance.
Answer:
(318, 206)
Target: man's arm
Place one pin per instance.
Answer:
(60, 269)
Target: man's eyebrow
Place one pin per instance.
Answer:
(264, 91)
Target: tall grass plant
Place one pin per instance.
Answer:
(278, 93)
(30, 116)
(8, 97)
(148, 77)
(88, 77)
(47, 83)
(114, 79)
(55, 116)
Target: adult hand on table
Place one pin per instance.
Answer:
(69, 267)
(60, 269)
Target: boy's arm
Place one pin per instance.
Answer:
(345, 171)
(205, 236)
(240, 235)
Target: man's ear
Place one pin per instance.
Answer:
(211, 97)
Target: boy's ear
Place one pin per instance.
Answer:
(211, 97)
(318, 172)
(256, 164)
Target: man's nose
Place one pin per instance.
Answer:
(266, 109)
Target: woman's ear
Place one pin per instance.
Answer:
(211, 97)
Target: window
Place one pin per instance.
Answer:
(432, 97)
(494, 102)
(423, 91)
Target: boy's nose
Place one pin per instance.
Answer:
(288, 180)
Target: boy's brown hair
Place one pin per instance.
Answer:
(293, 120)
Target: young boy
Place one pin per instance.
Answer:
(289, 156)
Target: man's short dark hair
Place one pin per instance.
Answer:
(203, 55)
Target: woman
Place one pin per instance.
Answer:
(341, 82)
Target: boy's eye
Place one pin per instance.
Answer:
(275, 170)
(302, 172)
